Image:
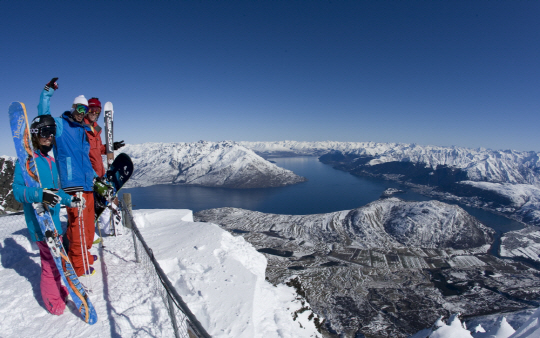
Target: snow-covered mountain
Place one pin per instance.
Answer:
(384, 224)
(524, 198)
(481, 164)
(7, 200)
(212, 164)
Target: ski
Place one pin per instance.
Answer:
(25, 153)
(109, 147)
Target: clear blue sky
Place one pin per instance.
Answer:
(464, 73)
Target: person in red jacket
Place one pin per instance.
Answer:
(97, 148)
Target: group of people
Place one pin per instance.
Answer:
(67, 179)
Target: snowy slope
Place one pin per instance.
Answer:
(530, 329)
(220, 277)
(525, 198)
(212, 164)
(480, 164)
(522, 243)
(7, 167)
(383, 224)
(500, 329)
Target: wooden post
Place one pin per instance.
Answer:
(126, 213)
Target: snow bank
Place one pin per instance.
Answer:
(222, 278)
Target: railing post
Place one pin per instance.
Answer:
(127, 206)
(127, 214)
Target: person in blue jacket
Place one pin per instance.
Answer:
(71, 151)
(43, 129)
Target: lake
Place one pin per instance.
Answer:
(326, 190)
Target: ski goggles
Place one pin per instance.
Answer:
(81, 109)
(45, 132)
(94, 110)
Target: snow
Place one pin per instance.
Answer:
(531, 328)
(500, 329)
(220, 277)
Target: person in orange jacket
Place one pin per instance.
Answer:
(97, 148)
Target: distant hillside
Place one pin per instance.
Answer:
(7, 200)
(211, 164)
(500, 166)
(384, 225)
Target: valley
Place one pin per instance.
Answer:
(392, 282)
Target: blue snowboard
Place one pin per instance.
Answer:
(23, 145)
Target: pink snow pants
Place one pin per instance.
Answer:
(54, 294)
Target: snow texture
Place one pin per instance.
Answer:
(456, 329)
(220, 277)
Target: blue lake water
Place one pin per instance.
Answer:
(326, 190)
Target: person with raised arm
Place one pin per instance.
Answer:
(71, 152)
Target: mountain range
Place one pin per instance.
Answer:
(480, 164)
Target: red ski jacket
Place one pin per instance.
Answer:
(97, 148)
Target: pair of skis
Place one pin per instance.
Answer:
(119, 169)
(25, 153)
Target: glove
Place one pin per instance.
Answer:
(77, 202)
(118, 145)
(52, 84)
(103, 188)
(50, 199)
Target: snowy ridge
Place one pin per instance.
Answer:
(222, 278)
(388, 223)
(222, 164)
(480, 164)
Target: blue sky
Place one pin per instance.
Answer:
(464, 73)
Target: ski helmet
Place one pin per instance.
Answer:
(94, 102)
(43, 126)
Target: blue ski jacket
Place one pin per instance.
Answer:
(71, 149)
(48, 175)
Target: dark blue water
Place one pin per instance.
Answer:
(327, 190)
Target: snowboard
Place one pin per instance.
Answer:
(25, 153)
(118, 174)
(109, 146)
